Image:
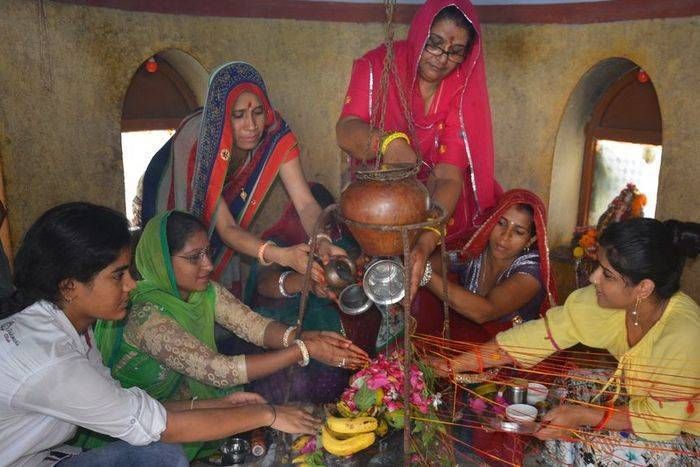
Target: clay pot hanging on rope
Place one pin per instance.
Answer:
(388, 197)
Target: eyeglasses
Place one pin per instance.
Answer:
(198, 257)
(452, 55)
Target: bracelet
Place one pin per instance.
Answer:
(391, 137)
(427, 274)
(435, 230)
(274, 414)
(261, 252)
(606, 418)
(285, 337)
(304, 352)
(280, 284)
(324, 236)
(192, 402)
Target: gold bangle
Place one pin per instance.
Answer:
(391, 137)
(437, 231)
(261, 253)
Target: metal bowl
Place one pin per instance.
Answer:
(383, 281)
(340, 272)
(353, 300)
(234, 450)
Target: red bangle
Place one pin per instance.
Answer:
(606, 418)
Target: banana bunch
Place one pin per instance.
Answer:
(346, 436)
(351, 426)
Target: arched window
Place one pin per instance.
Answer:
(166, 88)
(622, 145)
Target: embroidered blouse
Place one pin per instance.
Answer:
(162, 337)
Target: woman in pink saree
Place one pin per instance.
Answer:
(439, 72)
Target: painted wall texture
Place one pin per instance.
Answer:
(64, 71)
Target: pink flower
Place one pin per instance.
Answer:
(309, 447)
(477, 405)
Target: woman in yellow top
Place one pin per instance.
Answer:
(635, 310)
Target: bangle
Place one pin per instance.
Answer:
(285, 337)
(427, 274)
(606, 418)
(324, 236)
(435, 230)
(274, 414)
(280, 284)
(304, 352)
(387, 140)
(261, 252)
(192, 402)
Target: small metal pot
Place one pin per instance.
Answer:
(383, 281)
(340, 272)
(234, 450)
(353, 300)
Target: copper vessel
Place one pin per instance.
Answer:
(388, 197)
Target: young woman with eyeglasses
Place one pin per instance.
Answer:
(438, 73)
(72, 269)
(166, 345)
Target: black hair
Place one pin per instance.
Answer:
(524, 207)
(454, 14)
(643, 248)
(181, 226)
(70, 241)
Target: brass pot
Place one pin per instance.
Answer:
(389, 197)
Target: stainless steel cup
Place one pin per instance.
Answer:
(516, 394)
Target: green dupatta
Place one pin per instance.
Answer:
(133, 367)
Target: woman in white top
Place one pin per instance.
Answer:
(72, 269)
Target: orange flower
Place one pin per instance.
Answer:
(589, 239)
(637, 204)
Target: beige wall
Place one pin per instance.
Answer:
(61, 95)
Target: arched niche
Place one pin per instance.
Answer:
(567, 164)
(164, 89)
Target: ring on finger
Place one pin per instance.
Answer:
(342, 363)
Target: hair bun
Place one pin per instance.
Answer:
(685, 237)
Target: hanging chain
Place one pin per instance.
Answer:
(389, 69)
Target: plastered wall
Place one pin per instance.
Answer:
(64, 72)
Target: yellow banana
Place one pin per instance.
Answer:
(300, 459)
(299, 443)
(352, 425)
(344, 410)
(346, 447)
(382, 427)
